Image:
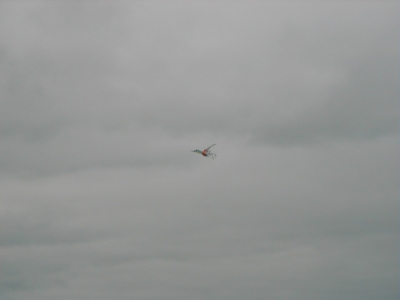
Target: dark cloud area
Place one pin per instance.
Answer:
(102, 103)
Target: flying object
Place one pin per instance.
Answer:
(206, 152)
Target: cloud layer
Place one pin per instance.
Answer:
(102, 103)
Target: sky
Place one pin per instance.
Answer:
(102, 103)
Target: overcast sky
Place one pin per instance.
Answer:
(102, 103)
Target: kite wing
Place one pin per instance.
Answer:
(211, 146)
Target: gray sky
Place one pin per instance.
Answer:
(102, 102)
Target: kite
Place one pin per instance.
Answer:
(206, 152)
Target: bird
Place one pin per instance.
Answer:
(206, 152)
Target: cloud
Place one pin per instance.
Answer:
(103, 102)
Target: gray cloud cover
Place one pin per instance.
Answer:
(102, 103)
